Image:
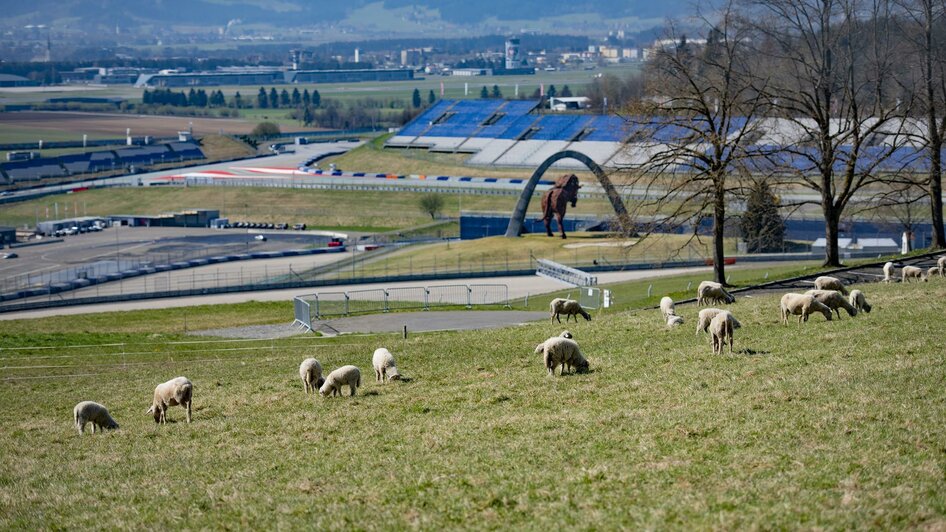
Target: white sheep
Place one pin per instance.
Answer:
(568, 307)
(177, 391)
(913, 272)
(345, 375)
(888, 272)
(706, 316)
(710, 291)
(94, 413)
(673, 320)
(666, 307)
(834, 301)
(803, 306)
(858, 301)
(830, 283)
(384, 367)
(932, 271)
(721, 328)
(564, 334)
(941, 262)
(557, 351)
(310, 371)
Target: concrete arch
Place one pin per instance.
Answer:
(514, 228)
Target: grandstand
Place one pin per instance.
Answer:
(98, 161)
(515, 134)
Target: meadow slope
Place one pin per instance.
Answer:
(824, 425)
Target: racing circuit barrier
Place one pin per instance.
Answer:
(566, 274)
(322, 304)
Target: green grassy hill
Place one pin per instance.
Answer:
(824, 425)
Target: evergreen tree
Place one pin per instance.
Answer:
(306, 99)
(431, 97)
(273, 98)
(202, 100)
(296, 97)
(484, 92)
(551, 92)
(496, 92)
(566, 92)
(415, 98)
(307, 117)
(316, 99)
(762, 226)
(238, 100)
(192, 98)
(261, 101)
(284, 100)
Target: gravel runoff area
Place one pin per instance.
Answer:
(392, 322)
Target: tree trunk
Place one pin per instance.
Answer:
(832, 255)
(936, 200)
(719, 230)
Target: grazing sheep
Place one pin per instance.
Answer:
(568, 307)
(666, 307)
(383, 362)
(345, 375)
(558, 351)
(94, 413)
(707, 315)
(858, 300)
(310, 371)
(541, 347)
(941, 262)
(803, 306)
(721, 329)
(673, 321)
(711, 291)
(830, 283)
(932, 271)
(912, 272)
(177, 391)
(888, 272)
(834, 301)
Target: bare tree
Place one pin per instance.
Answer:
(834, 89)
(923, 29)
(698, 126)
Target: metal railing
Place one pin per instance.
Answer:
(324, 304)
(560, 272)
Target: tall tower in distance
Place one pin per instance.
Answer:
(512, 53)
(49, 49)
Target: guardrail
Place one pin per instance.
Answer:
(560, 272)
(324, 304)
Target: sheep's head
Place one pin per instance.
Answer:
(156, 412)
(866, 307)
(851, 311)
(325, 389)
(581, 366)
(394, 377)
(320, 382)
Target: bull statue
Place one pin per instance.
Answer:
(556, 199)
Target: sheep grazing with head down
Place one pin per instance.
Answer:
(888, 272)
(834, 301)
(802, 305)
(557, 351)
(858, 301)
(913, 272)
(177, 391)
(830, 283)
(674, 321)
(666, 307)
(568, 307)
(931, 272)
(941, 263)
(344, 376)
(706, 316)
(712, 292)
(384, 367)
(310, 371)
(721, 329)
(94, 413)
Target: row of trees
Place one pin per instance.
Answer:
(825, 96)
(287, 100)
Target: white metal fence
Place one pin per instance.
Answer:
(560, 272)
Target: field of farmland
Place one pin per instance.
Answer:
(821, 425)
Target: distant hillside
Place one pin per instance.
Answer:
(296, 13)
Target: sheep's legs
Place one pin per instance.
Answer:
(189, 411)
(353, 389)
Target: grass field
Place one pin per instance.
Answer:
(825, 425)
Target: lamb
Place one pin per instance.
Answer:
(888, 272)
(912, 272)
(857, 300)
(383, 362)
(707, 315)
(830, 283)
(673, 320)
(558, 351)
(310, 371)
(177, 391)
(568, 307)
(709, 290)
(803, 306)
(666, 307)
(721, 329)
(345, 375)
(94, 413)
(834, 301)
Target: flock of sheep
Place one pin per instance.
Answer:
(830, 295)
